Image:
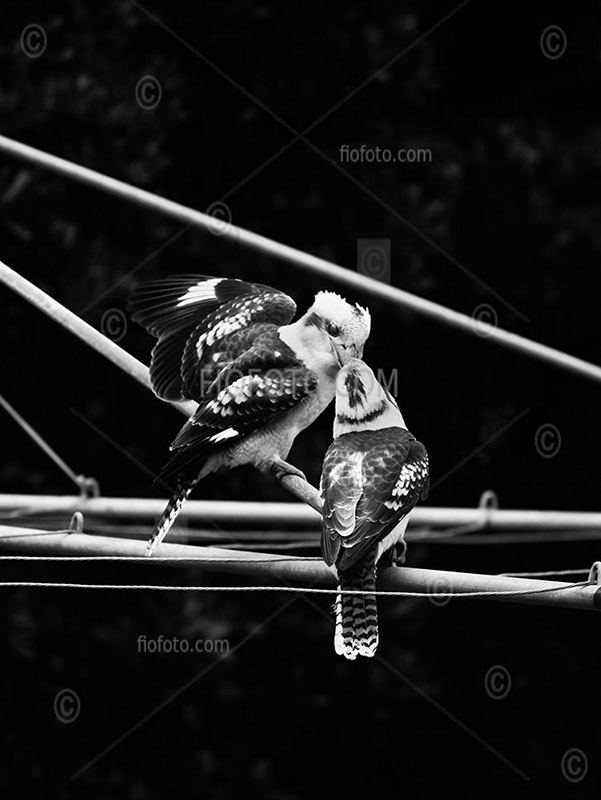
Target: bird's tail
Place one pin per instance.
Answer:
(181, 494)
(357, 614)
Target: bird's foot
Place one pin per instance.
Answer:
(395, 557)
(279, 469)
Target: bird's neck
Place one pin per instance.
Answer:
(361, 418)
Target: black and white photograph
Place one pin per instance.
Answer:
(299, 399)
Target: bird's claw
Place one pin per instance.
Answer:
(280, 469)
(395, 557)
(399, 554)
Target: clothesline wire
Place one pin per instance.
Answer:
(297, 590)
(239, 560)
(163, 559)
(546, 574)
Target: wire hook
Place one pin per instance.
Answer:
(594, 575)
(488, 503)
(76, 524)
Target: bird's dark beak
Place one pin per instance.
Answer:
(344, 354)
(337, 353)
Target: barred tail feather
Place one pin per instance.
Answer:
(356, 614)
(170, 513)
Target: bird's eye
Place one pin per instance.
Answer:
(333, 329)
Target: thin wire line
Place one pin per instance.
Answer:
(120, 449)
(459, 530)
(157, 251)
(41, 443)
(303, 544)
(273, 559)
(546, 574)
(480, 448)
(510, 537)
(298, 590)
(27, 533)
(155, 559)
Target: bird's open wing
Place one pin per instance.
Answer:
(393, 477)
(250, 392)
(201, 324)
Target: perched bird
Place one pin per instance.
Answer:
(258, 378)
(374, 473)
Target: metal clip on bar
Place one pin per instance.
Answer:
(88, 487)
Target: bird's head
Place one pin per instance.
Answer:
(335, 328)
(362, 403)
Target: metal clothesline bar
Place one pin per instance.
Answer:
(310, 262)
(279, 540)
(285, 514)
(273, 570)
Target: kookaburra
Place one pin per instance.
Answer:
(259, 379)
(374, 473)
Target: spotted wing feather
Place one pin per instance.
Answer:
(192, 316)
(227, 333)
(251, 392)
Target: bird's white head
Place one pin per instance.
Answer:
(332, 331)
(362, 403)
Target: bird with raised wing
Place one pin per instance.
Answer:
(258, 377)
(373, 474)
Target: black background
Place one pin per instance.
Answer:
(507, 214)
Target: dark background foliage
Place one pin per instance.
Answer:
(507, 214)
